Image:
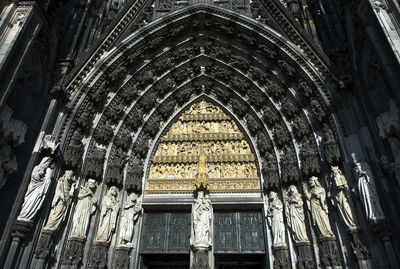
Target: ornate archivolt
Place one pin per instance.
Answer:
(203, 129)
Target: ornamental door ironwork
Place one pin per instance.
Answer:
(238, 232)
(166, 232)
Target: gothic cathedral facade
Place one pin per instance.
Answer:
(201, 134)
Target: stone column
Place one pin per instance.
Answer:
(20, 230)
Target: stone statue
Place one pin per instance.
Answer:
(367, 191)
(130, 214)
(108, 215)
(64, 191)
(338, 189)
(37, 190)
(275, 219)
(389, 129)
(295, 215)
(201, 212)
(85, 207)
(8, 164)
(318, 207)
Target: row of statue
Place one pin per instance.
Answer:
(316, 200)
(210, 148)
(203, 127)
(214, 170)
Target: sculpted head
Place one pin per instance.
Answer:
(113, 191)
(272, 195)
(133, 197)
(91, 183)
(69, 175)
(292, 190)
(336, 170)
(200, 195)
(313, 182)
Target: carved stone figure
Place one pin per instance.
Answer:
(202, 212)
(8, 164)
(389, 129)
(332, 150)
(130, 214)
(275, 219)
(85, 207)
(309, 160)
(339, 183)
(295, 215)
(108, 215)
(318, 207)
(62, 197)
(367, 191)
(37, 190)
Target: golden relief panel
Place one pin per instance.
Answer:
(203, 130)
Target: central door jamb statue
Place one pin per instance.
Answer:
(201, 238)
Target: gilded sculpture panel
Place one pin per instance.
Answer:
(203, 130)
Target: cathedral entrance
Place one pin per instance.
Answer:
(203, 149)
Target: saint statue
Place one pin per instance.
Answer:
(201, 213)
(37, 190)
(389, 129)
(366, 188)
(318, 207)
(275, 219)
(62, 197)
(85, 207)
(130, 214)
(295, 215)
(339, 187)
(108, 215)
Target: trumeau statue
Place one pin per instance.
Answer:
(37, 190)
(108, 215)
(64, 191)
(275, 219)
(85, 207)
(201, 212)
(367, 191)
(338, 188)
(318, 207)
(130, 214)
(295, 215)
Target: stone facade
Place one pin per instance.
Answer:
(97, 97)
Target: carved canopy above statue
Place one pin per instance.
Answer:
(203, 129)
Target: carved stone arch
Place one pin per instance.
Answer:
(179, 111)
(115, 63)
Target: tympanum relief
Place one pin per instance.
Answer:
(230, 163)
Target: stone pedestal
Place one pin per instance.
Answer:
(99, 255)
(200, 259)
(305, 257)
(20, 230)
(330, 253)
(122, 257)
(43, 248)
(281, 257)
(73, 252)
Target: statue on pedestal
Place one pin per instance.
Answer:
(275, 219)
(317, 205)
(85, 207)
(37, 190)
(367, 191)
(338, 188)
(295, 215)
(108, 215)
(130, 214)
(64, 191)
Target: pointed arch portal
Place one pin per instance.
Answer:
(202, 87)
